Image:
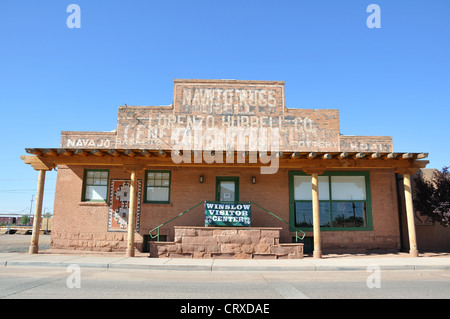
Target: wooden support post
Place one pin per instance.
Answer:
(410, 216)
(317, 253)
(132, 215)
(34, 244)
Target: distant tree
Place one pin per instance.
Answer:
(432, 197)
(24, 220)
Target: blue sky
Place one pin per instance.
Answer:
(392, 81)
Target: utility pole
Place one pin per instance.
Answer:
(31, 208)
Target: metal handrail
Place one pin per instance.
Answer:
(179, 215)
(297, 237)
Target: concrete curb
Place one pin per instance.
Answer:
(176, 264)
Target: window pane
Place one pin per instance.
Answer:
(348, 188)
(159, 194)
(96, 192)
(304, 215)
(89, 181)
(349, 214)
(158, 186)
(303, 188)
(227, 191)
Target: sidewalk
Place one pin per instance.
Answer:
(328, 263)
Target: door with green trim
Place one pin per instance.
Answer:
(227, 188)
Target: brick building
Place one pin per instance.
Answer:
(225, 141)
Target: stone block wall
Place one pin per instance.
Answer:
(226, 242)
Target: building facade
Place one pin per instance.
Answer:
(225, 141)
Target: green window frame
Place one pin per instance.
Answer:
(95, 185)
(235, 180)
(336, 214)
(157, 186)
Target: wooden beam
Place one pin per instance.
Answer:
(314, 170)
(49, 152)
(343, 155)
(282, 154)
(375, 155)
(113, 152)
(130, 153)
(133, 167)
(38, 163)
(295, 155)
(422, 155)
(145, 153)
(33, 151)
(64, 152)
(407, 156)
(392, 156)
(312, 155)
(405, 170)
(80, 152)
(334, 163)
(162, 153)
(97, 153)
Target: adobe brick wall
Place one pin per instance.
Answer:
(83, 226)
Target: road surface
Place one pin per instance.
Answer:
(75, 282)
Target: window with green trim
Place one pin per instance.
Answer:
(95, 185)
(157, 186)
(344, 200)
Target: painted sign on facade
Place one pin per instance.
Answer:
(228, 214)
(221, 105)
(229, 105)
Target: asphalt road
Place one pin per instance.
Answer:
(60, 282)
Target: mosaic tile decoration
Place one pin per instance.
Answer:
(119, 201)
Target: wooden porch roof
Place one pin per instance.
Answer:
(48, 158)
